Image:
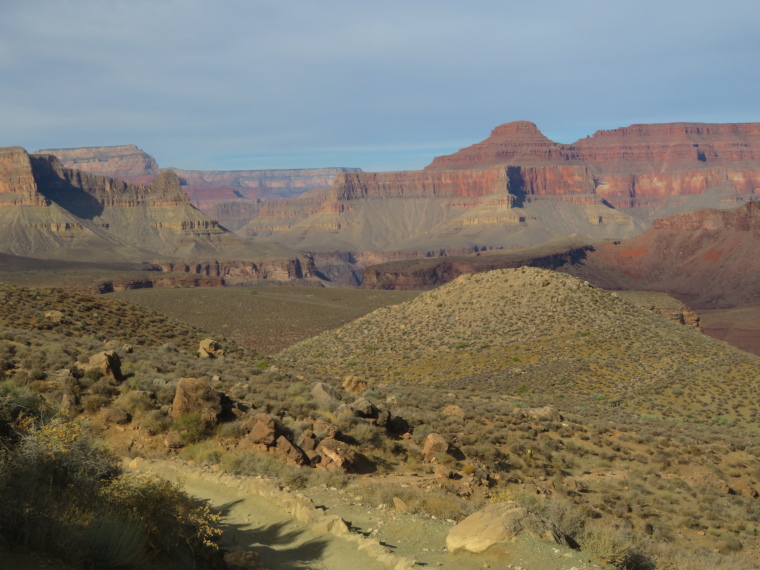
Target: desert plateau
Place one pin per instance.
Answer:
(341, 286)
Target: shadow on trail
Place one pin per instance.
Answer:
(280, 547)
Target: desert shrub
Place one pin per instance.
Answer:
(615, 547)
(167, 514)
(116, 541)
(192, 427)
(104, 387)
(94, 402)
(155, 422)
(203, 453)
(135, 403)
(252, 463)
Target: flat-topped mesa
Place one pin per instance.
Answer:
(420, 184)
(743, 219)
(510, 143)
(670, 146)
(17, 184)
(122, 162)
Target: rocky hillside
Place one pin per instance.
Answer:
(707, 258)
(533, 329)
(49, 211)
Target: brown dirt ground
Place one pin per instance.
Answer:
(266, 319)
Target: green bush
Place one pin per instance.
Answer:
(192, 428)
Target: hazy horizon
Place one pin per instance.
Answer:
(237, 85)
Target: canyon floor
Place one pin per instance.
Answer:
(270, 319)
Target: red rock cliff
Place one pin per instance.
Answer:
(625, 166)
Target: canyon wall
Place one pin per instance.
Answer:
(49, 211)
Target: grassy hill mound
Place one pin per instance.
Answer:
(528, 329)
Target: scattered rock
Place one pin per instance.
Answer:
(499, 523)
(54, 316)
(326, 429)
(209, 348)
(743, 489)
(195, 395)
(443, 472)
(355, 385)
(313, 457)
(326, 395)
(363, 408)
(454, 411)
(173, 440)
(107, 363)
(308, 440)
(400, 505)
(398, 425)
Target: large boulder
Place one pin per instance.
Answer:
(434, 444)
(500, 523)
(209, 348)
(106, 363)
(326, 395)
(264, 430)
(336, 454)
(195, 395)
(290, 452)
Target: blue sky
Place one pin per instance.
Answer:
(249, 84)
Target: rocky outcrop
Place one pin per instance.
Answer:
(196, 395)
(209, 348)
(123, 162)
(105, 363)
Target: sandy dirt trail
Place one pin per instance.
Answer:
(254, 523)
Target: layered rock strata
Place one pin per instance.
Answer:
(47, 210)
(519, 188)
(123, 162)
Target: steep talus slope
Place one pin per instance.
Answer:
(540, 330)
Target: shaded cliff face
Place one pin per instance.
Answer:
(707, 258)
(47, 210)
(231, 197)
